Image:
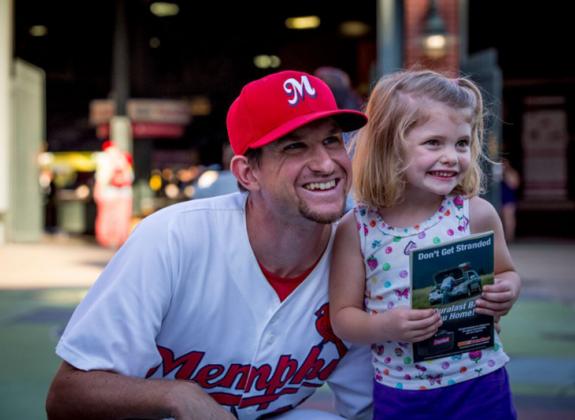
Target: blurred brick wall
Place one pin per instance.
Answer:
(415, 12)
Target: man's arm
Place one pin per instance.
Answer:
(99, 394)
(352, 384)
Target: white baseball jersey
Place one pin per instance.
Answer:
(184, 298)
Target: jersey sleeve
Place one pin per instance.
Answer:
(115, 326)
(352, 384)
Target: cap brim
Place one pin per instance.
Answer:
(348, 120)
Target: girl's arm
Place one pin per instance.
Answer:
(498, 298)
(346, 294)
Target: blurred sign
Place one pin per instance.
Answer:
(142, 110)
(545, 139)
(141, 130)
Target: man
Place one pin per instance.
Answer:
(228, 294)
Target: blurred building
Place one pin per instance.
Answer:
(57, 65)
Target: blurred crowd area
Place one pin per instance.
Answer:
(68, 182)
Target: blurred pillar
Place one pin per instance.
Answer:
(6, 18)
(120, 127)
(463, 9)
(483, 68)
(25, 219)
(389, 36)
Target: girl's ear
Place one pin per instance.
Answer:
(244, 171)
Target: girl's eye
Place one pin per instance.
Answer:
(463, 143)
(432, 142)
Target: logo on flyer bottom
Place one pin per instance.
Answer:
(297, 91)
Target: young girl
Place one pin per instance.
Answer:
(416, 178)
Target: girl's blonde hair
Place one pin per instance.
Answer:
(398, 103)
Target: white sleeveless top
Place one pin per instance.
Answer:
(386, 256)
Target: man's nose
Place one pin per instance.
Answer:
(321, 160)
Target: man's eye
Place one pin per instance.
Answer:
(333, 140)
(293, 146)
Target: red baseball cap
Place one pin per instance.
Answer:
(275, 105)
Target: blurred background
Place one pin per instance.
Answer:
(157, 78)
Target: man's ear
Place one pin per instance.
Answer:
(243, 170)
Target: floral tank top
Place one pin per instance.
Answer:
(386, 256)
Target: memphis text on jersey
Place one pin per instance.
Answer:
(271, 382)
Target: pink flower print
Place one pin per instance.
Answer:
(434, 379)
(409, 248)
(458, 201)
(450, 232)
(463, 223)
(388, 250)
(358, 225)
(399, 368)
(402, 293)
(475, 355)
(365, 229)
(421, 235)
(390, 305)
(421, 368)
(378, 376)
(407, 377)
(445, 365)
(403, 274)
(372, 263)
(378, 348)
(491, 363)
(387, 360)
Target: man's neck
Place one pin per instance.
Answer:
(283, 248)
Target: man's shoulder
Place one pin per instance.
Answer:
(194, 213)
(227, 202)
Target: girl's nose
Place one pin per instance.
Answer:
(449, 156)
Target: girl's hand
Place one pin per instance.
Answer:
(409, 325)
(497, 299)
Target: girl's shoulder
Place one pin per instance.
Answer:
(482, 215)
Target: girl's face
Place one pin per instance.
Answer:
(437, 151)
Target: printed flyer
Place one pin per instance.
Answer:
(450, 277)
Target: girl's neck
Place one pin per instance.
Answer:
(415, 208)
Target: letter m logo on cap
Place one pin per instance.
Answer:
(296, 91)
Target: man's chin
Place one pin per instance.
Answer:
(322, 217)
